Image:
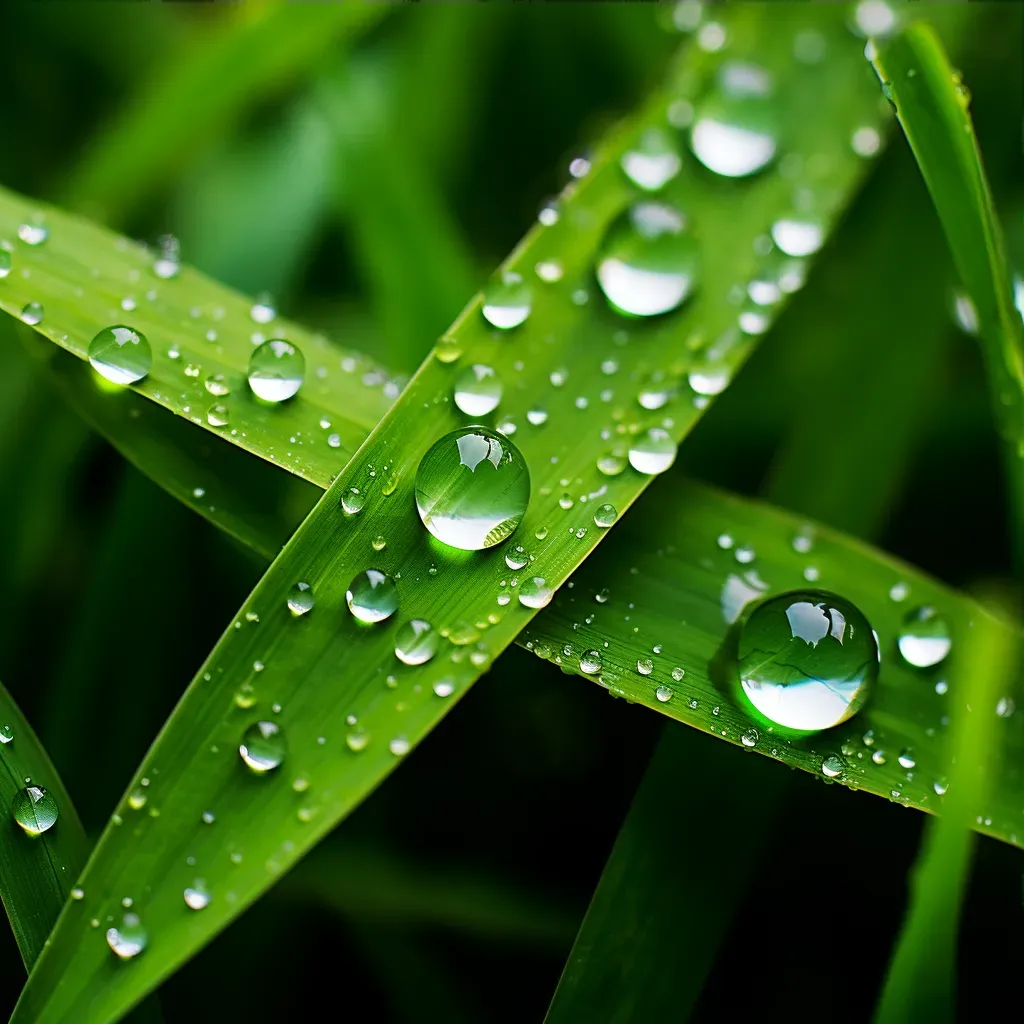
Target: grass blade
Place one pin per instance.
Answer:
(205, 88)
(36, 871)
(920, 984)
(329, 678)
(932, 105)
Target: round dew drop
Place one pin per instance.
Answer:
(372, 597)
(129, 938)
(590, 662)
(535, 592)
(300, 599)
(35, 810)
(416, 642)
(121, 354)
(472, 488)
(653, 451)
(5, 263)
(507, 301)
(924, 638)
(197, 896)
(262, 747)
(647, 263)
(478, 390)
(807, 660)
(652, 162)
(276, 370)
(32, 313)
(798, 237)
(605, 516)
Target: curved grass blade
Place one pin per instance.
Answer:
(203, 90)
(920, 983)
(349, 710)
(651, 909)
(38, 871)
(201, 334)
(932, 105)
(681, 593)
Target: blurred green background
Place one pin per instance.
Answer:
(370, 186)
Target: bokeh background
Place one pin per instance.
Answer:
(370, 190)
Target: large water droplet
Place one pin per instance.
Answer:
(32, 313)
(924, 637)
(34, 809)
(648, 264)
(416, 642)
(262, 747)
(472, 488)
(807, 660)
(605, 516)
(276, 370)
(535, 592)
(507, 301)
(735, 132)
(477, 390)
(372, 596)
(590, 662)
(129, 938)
(653, 451)
(653, 161)
(300, 598)
(121, 354)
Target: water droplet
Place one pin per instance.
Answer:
(217, 385)
(565, 502)
(472, 488)
(833, 766)
(121, 354)
(678, 673)
(535, 592)
(1005, 707)
(129, 938)
(447, 350)
(218, 415)
(965, 313)
(372, 597)
(605, 515)
(197, 896)
(549, 271)
(137, 799)
(648, 264)
(6, 735)
(300, 598)
(874, 18)
(796, 237)
(478, 390)
(662, 693)
(749, 738)
(907, 759)
(611, 464)
(644, 666)
(517, 558)
(78, 893)
(352, 501)
(32, 313)
(507, 301)
(924, 637)
(653, 161)
(34, 809)
(5, 263)
(34, 231)
(263, 311)
(653, 451)
(736, 128)
(941, 786)
(399, 746)
(262, 747)
(807, 660)
(590, 662)
(879, 757)
(276, 370)
(416, 642)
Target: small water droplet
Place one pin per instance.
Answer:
(653, 451)
(416, 642)
(5, 263)
(262, 747)
(662, 693)
(276, 370)
(678, 673)
(372, 597)
(263, 311)
(535, 592)
(749, 738)
(507, 301)
(444, 687)
(611, 464)
(517, 558)
(798, 236)
(129, 938)
(121, 354)
(399, 746)
(644, 666)
(352, 501)
(472, 488)
(478, 390)
(590, 662)
(78, 893)
(6, 735)
(605, 515)
(34, 231)
(218, 415)
(833, 766)
(300, 598)
(653, 161)
(197, 896)
(34, 809)
(907, 759)
(924, 638)
(217, 385)
(941, 786)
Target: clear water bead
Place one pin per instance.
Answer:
(121, 354)
(798, 236)
(663, 694)
(34, 809)
(807, 660)
(276, 370)
(372, 597)
(648, 264)
(262, 747)
(300, 598)
(472, 488)
(5, 263)
(735, 132)
(590, 662)
(924, 638)
(33, 232)
(605, 515)
(833, 766)
(129, 938)
(32, 313)
(507, 301)
(416, 642)
(653, 161)
(197, 896)
(653, 451)
(535, 592)
(478, 390)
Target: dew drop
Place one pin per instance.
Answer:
(263, 311)
(121, 354)
(652, 162)
(444, 688)
(372, 597)
(663, 693)
(644, 666)
(833, 766)
(535, 592)
(517, 558)
(5, 263)
(129, 938)
(300, 598)
(478, 390)
(605, 515)
(416, 642)
(218, 415)
(798, 237)
(749, 738)
(507, 301)
(399, 746)
(34, 809)
(33, 232)
(907, 759)
(653, 451)
(262, 747)
(276, 370)
(590, 662)
(924, 638)
(472, 488)
(352, 501)
(197, 896)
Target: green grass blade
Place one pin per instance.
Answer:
(36, 872)
(203, 90)
(660, 902)
(321, 670)
(83, 273)
(932, 105)
(921, 980)
(680, 592)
